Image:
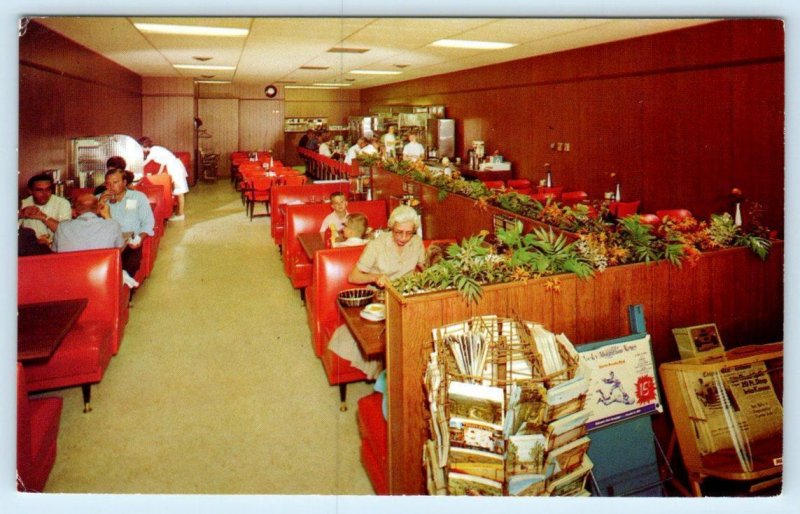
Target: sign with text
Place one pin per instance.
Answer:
(623, 383)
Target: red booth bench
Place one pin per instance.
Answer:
(301, 219)
(306, 193)
(37, 436)
(331, 269)
(85, 352)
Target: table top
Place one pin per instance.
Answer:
(311, 242)
(370, 335)
(42, 326)
(486, 174)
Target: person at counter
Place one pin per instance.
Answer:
(389, 141)
(413, 151)
(391, 255)
(361, 146)
(313, 141)
(304, 140)
(324, 147)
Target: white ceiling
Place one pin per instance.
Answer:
(276, 47)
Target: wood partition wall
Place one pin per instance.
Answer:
(66, 91)
(679, 117)
(732, 288)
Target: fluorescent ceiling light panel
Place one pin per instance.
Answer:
(475, 45)
(375, 72)
(331, 84)
(213, 81)
(203, 67)
(190, 30)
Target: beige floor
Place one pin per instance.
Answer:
(216, 388)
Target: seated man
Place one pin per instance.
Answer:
(87, 231)
(42, 211)
(131, 209)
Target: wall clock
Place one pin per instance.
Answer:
(270, 91)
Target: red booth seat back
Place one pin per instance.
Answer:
(37, 436)
(93, 274)
(298, 194)
(308, 218)
(166, 182)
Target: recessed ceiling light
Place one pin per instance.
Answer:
(189, 30)
(203, 67)
(343, 50)
(375, 72)
(208, 76)
(401, 66)
(313, 67)
(476, 45)
(331, 84)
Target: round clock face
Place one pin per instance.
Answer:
(270, 91)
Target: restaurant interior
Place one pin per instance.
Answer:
(607, 195)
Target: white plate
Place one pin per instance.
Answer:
(374, 312)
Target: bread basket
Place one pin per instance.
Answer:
(357, 297)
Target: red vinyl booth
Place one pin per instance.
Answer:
(332, 267)
(373, 430)
(37, 436)
(494, 184)
(166, 182)
(301, 219)
(84, 354)
(281, 195)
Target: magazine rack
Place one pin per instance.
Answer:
(728, 415)
(639, 473)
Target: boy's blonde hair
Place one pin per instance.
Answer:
(357, 222)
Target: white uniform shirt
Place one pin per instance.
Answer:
(413, 151)
(56, 207)
(175, 168)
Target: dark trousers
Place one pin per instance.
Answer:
(131, 260)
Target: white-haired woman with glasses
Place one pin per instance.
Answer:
(391, 255)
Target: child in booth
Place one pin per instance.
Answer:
(339, 214)
(355, 228)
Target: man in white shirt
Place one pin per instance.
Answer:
(361, 146)
(413, 151)
(42, 211)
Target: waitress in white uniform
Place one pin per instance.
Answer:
(174, 166)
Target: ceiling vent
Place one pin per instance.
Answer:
(313, 67)
(201, 58)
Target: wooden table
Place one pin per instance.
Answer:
(311, 242)
(370, 335)
(42, 326)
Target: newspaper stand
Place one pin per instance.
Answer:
(626, 454)
(733, 430)
(510, 343)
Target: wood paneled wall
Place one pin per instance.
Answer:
(678, 118)
(221, 119)
(168, 113)
(66, 91)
